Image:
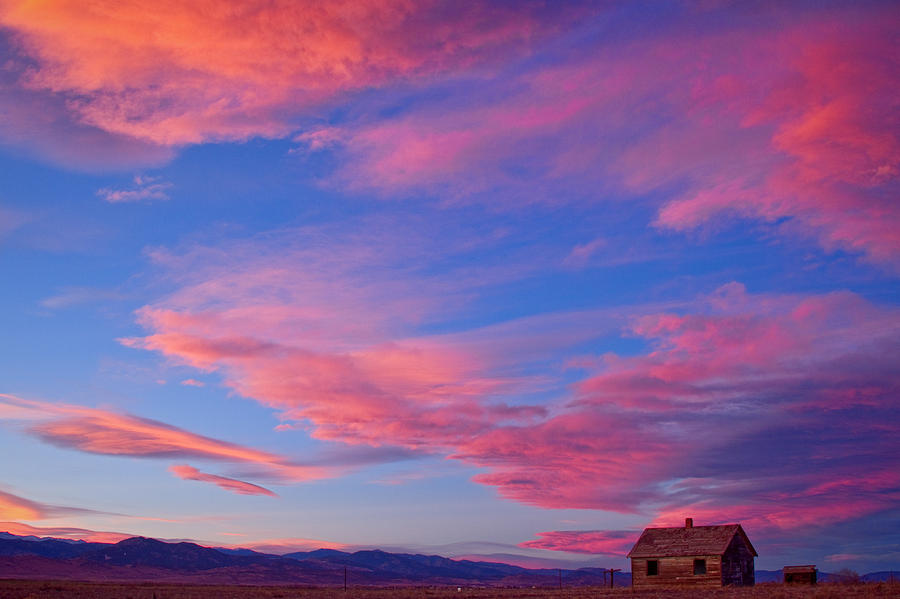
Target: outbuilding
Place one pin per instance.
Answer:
(694, 556)
(799, 574)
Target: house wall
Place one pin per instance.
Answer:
(737, 565)
(677, 571)
(800, 577)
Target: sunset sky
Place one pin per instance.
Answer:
(511, 279)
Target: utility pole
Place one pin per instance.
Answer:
(612, 575)
(559, 570)
(345, 578)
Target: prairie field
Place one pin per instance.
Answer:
(34, 589)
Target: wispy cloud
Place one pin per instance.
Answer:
(73, 296)
(10, 220)
(582, 254)
(103, 432)
(606, 542)
(145, 188)
(19, 508)
(15, 507)
(788, 128)
(229, 484)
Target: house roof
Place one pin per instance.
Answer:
(798, 569)
(685, 542)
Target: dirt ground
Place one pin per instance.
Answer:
(35, 589)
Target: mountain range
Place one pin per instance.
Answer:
(141, 558)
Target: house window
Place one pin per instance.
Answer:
(652, 567)
(699, 566)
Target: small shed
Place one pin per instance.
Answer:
(695, 556)
(799, 574)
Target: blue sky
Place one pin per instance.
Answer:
(515, 279)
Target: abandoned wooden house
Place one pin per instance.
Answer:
(799, 574)
(701, 556)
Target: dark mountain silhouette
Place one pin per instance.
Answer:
(140, 558)
(412, 566)
(884, 576)
(53, 548)
(141, 551)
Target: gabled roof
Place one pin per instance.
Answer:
(685, 542)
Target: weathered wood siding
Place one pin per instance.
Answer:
(737, 564)
(677, 571)
(800, 575)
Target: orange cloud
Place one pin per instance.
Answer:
(83, 534)
(19, 508)
(229, 484)
(108, 433)
(14, 506)
(178, 73)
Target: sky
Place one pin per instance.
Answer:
(508, 279)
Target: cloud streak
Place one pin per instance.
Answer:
(108, 433)
(607, 542)
(144, 189)
(19, 508)
(185, 472)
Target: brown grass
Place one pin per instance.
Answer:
(36, 589)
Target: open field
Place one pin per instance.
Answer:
(34, 589)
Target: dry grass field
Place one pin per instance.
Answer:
(31, 589)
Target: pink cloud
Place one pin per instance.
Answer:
(609, 542)
(229, 484)
(279, 320)
(183, 74)
(793, 124)
(108, 433)
(693, 426)
(833, 160)
(725, 386)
